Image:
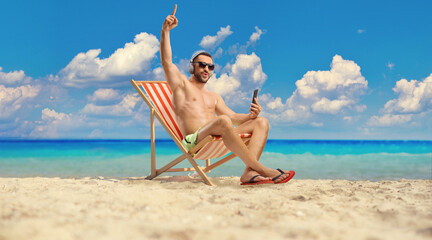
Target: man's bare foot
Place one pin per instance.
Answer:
(278, 175)
(249, 174)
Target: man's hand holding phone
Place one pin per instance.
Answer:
(255, 108)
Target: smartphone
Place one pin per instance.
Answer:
(255, 94)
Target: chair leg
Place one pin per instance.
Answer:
(200, 171)
(168, 166)
(153, 144)
(220, 162)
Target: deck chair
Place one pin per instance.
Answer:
(157, 95)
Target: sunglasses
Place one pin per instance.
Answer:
(203, 65)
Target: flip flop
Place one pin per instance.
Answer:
(291, 175)
(251, 181)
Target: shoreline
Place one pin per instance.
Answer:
(179, 207)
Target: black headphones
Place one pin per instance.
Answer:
(194, 55)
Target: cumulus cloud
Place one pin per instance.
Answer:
(256, 35)
(88, 69)
(387, 120)
(158, 74)
(246, 72)
(124, 108)
(51, 115)
(53, 123)
(224, 84)
(104, 94)
(321, 92)
(242, 49)
(343, 79)
(218, 53)
(93, 120)
(274, 103)
(317, 124)
(13, 78)
(12, 99)
(211, 42)
(332, 107)
(415, 98)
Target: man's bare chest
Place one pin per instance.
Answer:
(195, 99)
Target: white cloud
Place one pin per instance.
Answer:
(92, 121)
(124, 108)
(390, 65)
(317, 124)
(348, 118)
(361, 108)
(389, 120)
(15, 77)
(343, 79)
(245, 72)
(218, 53)
(88, 69)
(158, 74)
(53, 124)
(211, 42)
(223, 85)
(274, 104)
(51, 115)
(298, 114)
(256, 35)
(321, 92)
(248, 67)
(332, 107)
(104, 94)
(414, 97)
(360, 31)
(12, 99)
(242, 49)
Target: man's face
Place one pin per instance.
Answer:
(201, 73)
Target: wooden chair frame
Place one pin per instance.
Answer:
(186, 154)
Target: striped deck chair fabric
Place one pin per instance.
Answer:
(157, 95)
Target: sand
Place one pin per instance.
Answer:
(181, 208)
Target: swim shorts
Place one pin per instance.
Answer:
(190, 140)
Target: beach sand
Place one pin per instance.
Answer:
(181, 208)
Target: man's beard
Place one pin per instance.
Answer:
(200, 78)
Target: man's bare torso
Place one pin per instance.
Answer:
(193, 106)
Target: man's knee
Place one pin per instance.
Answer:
(224, 122)
(262, 122)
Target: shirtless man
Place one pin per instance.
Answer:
(196, 110)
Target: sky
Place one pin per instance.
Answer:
(325, 69)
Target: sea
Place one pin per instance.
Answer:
(372, 160)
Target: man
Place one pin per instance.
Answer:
(196, 110)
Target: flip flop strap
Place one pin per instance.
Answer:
(253, 178)
(278, 175)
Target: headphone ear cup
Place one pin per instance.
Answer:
(191, 68)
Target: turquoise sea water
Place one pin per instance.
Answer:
(311, 159)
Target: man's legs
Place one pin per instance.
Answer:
(223, 126)
(259, 128)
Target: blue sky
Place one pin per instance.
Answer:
(325, 69)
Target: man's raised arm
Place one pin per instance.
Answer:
(172, 74)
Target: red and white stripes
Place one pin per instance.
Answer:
(160, 94)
